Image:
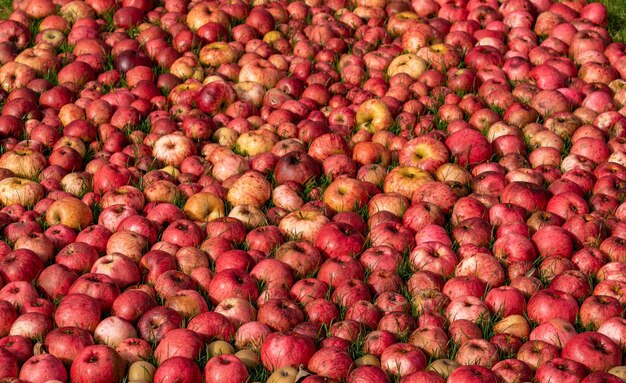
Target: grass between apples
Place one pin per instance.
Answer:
(5, 8)
(617, 18)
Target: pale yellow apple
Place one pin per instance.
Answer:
(15, 190)
(408, 63)
(70, 212)
(443, 367)
(303, 224)
(252, 188)
(619, 371)
(25, 163)
(250, 91)
(255, 142)
(367, 360)
(373, 115)
(513, 325)
(283, 375)
(220, 347)
(204, 206)
(405, 180)
(248, 357)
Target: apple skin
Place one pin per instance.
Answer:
(373, 374)
(402, 359)
(18, 346)
(21, 264)
(8, 315)
(9, 365)
(273, 356)
(594, 350)
(212, 325)
(97, 364)
(66, 342)
(601, 377)
(535, 353)
(469, 147)
(541, 306)
(597, 309)
(296, 166)
(512, 370)
(231, 283)
(157, 322)
(472, 374)
(43, 367)
(562, 370)
(178, 369)
(178, 342)
(336, 240)
(251, 335)
(331, 362)
(110, 177)
(98, 286)
(556, 332)
(507, 300)
(78, 310)
(225, 368)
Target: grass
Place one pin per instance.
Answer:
(617, 18)
(5, 8)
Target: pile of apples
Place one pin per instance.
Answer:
(309, 191)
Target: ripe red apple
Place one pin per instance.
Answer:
(97, 364)
(594, 350)
(274, 355)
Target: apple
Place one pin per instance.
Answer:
(402, 359)
(66, 342)
(97, 364)
(10, 365)
(273, 355)
(303, 258)
(512, 370)
(594, 350)
(232, 283)
(541, 306)
(9, 315)
(424, 152)
(469, 147)
(472, 374)
(134, 349)
(225, 368)
(141, 370)
(155, 323)
(14, 190)
(373, 116)
(178, 342)
(113, 330)
(597, 309)
(368, 373)
(25, 163)
(556, 332)
(331, 362)
(43, 367)
(178, 369)
(561, 369)
(80, 310)
(303, 224)
(477, 352)
(536, 352)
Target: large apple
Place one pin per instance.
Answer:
(97, 364)
(274, 353)
(594, 350)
